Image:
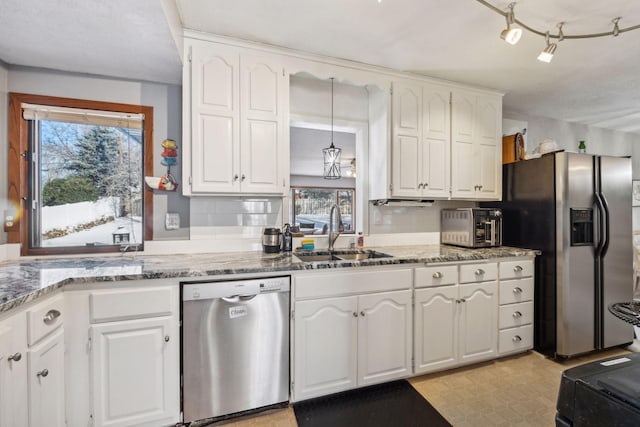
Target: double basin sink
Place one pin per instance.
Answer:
(340, 255)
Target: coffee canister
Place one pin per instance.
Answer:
(271, 240)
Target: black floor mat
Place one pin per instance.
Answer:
(395, 404)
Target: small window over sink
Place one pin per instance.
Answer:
(311, 208)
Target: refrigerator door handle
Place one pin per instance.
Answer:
(605, 245)
(601, 221)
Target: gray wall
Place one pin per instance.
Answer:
(166, 103)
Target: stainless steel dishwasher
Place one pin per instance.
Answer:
(235, 346)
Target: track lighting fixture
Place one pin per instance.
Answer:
(511, 34)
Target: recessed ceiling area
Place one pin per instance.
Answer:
(592, 81)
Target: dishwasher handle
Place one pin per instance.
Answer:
(239, 298)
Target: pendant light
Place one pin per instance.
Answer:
(331, 155)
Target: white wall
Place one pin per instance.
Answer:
(568, 135)
(166, 103)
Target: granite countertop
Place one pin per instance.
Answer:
(25, 280)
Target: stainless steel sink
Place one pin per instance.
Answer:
(313, 257)
(340, 255)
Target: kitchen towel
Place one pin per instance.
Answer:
(395, 404)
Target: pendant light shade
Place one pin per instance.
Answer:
(331, 155)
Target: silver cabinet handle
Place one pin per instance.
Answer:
(517, 269)
(461, 300)
(517, 314)
(242, 178)
(355, 314)
(235, 177)
(517, 290)
(479, 187)
(516, 338)
(166, 338)
(15, 357)
(425, 184)
(42, 373)
(479, 272)
(362, 313)
(51, 316)
(437, 275)
(419, 185)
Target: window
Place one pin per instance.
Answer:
(312, 206)
(80, 175)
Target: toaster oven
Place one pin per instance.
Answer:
(471, 227)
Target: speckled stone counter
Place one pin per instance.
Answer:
(24, 281)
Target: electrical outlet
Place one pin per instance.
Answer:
(172, 221)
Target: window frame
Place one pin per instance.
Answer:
(19, 185)
(336, 189)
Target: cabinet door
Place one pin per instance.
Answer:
(436, 333)
(134, 373)
(215, 119)
(384, 337)
(436, 141)
(46, 382)
(463, 164)
(407, 151)
(262, 132)
(13, 372)
(325, 345)
(478, 322)
(489, 148)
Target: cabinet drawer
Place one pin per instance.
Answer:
(516, 269)
(515, 339)
(517, 290)
(112, 305)
(44, 319)
(478, 272)
(436, 276)
(513, 315)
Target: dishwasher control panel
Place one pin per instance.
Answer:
(231, 288)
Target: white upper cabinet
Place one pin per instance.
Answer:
(476, 166)
(234, 122)
(420, 140)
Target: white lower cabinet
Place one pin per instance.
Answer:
(345, 342)
(32, 388)
(131, 372)
(454, 325)
(13, 371)
(46, 382)
(123, 349)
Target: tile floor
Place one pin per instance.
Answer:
(514, 391)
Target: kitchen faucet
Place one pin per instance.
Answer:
(335, 225)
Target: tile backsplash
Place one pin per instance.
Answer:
(233, 217)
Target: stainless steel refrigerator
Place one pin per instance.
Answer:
(576, 209)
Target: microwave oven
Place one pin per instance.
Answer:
(471, 227)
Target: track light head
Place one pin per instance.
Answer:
(547, 53)
(511, 34)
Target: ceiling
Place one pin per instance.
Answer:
(591, 81)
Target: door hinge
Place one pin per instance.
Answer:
(91, 423)
(89, 344)
(293, 314)
(190, 182)
(292, 384)
(413, 364)
(189, 55)
(390, 187)
(391, 90)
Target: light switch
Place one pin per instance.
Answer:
(172, 221)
